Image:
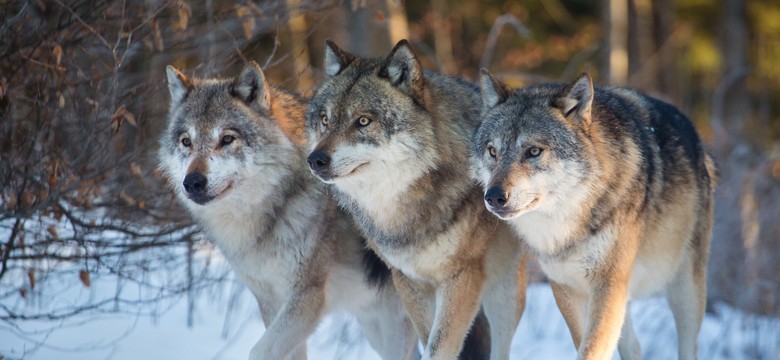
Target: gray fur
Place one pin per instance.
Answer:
(275, 223)
(404, 177)
(616, 203)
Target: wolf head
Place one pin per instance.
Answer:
(531, 152)
(368, 117)
(223, 135)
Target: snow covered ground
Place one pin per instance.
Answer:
(217, 333)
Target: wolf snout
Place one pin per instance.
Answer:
(318, 161)
(195, 184)
(496, 197)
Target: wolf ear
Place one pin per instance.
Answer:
(493, 91)
(404, 71)
(252, 88)
(178, 83)
(576, 99)
(336, 59)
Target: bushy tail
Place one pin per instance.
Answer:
(712, 171)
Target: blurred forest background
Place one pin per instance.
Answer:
(83, 99)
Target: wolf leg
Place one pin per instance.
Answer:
(299, 353)
(418, 302)
(504, 302)
(390, 333)
(607, 309)
(296, 320)
(628, 346)
(687, 298)
(572, 305)
(457, 303)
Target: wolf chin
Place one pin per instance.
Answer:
(612, 190)
(234, 152)
(393, 141)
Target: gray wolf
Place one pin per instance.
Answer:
(235, 154)
(612, 190)
(393, 141)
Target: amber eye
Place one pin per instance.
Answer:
(324, 120)
(491, 150)
(227, 139)
(186, 142)
(363, 121)
(534, 152)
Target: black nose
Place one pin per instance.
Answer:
(318, 161)
(195, 183)
(496, 197)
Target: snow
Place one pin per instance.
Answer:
(220, 333)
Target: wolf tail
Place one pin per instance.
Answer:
(712, 171)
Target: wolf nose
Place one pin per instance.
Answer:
(496, 197)
(318, 160)
(195, 183)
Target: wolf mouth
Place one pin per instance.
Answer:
(329, 177)
(203, 199)
(355, 169)
(508, 213)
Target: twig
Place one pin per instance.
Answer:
(495, 31)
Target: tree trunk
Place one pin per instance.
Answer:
(442, 37)
(642, 55)
(666, 49)
(294, 43)
(614, 69)
(736, 103)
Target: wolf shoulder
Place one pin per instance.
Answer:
(454, 96)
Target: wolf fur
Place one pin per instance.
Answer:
(612, 190)
(235, 154)
(393, 141)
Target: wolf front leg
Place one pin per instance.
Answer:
(606, 315)
(457, 303)
(418, 300)
(387, 330)
(297, 319)
(608, 298)
(504, 296)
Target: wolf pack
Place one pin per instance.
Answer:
(415, 201)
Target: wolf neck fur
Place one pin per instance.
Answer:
(238, 223)
(417, 192)
(557, 231)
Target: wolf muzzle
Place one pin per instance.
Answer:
(319, 163)
(496, 198)
(195, 184)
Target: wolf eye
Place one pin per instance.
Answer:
(364, 121)
(324, 120)
(186, 142)
(227, 139)
(491, 150)
(534, 152)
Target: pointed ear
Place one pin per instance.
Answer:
(576, 99)
(493, 91)
(178, 84)
(404, 71)
(252, 88)
(336, 60)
